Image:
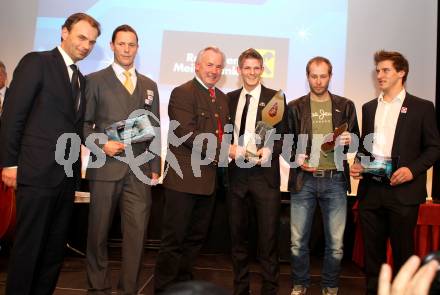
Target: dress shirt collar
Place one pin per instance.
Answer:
(3, 91)
(400, 97)
(119, 70)
(67, 59)
(203, 84)
(255, 93)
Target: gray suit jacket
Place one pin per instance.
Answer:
(109, 102)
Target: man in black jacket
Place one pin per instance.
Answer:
(257, 186)
(322, 176)
(405, 132)
(45, 101)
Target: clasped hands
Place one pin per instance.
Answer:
(237, 151)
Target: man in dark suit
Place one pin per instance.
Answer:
(112, 95)
(257, 186)
(325, 181)
(199, 108)
(404, 128)
(45, 101)
(3, 88)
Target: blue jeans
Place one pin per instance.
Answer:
(331, 193)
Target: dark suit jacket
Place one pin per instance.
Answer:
(300, 122)
(272, 173)
(108, 102)
(39, 109)
(416, 144)
(192, 107)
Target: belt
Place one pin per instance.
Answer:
(324, 173)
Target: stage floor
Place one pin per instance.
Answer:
(215, 268)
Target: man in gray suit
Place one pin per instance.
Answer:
(112, 95)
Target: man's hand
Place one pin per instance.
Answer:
(9, 177)
(113, 148)
(409, 280)
(344, 138)
(301, 161)
(356, 171)
(401, 175)
(236, 151)
(154, 178)
(264, 155)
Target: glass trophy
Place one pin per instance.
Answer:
(262, 133)
(132, 130)
(379, 167)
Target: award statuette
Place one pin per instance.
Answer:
(330, 140)
(271, 115)
(132, 130)
(377, 167)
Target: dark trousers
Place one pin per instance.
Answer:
(43, 216)
(249, 190)
(185, 226)
(383, 218)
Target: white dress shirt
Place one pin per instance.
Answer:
(67, 60)
(385, 123)
(251, 115)
(119, 71)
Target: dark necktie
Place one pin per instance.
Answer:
(75, 85)
(243, 120)
(219, 121)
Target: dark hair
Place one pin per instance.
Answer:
(400, 63)
(318, 60)
(77, 17)
(124, 28)
(249, 53)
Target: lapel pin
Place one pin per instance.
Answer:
(262, 104)
(403, 110)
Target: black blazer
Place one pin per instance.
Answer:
(300, 122)
(39, 109)
(416, 144)
(272, 173)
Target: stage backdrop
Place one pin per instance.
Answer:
(287, 33)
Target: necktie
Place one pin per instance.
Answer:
(75, 85)
(219, 121)
(243, 120)
(128, 84)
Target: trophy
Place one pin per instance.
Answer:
(379, 168)
(271, 114)
(132, 130)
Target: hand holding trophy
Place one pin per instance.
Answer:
(271, 114)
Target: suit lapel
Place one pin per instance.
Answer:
(62, 76)
(262, 102)
(139, 94)
(234, 97)
(400, 124)
(120, 92)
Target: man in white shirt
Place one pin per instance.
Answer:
(406, 136)
(45, 101)
(257, 186)
(112, 94)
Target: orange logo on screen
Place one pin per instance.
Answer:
(269, 62)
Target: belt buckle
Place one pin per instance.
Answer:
(319, 173)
